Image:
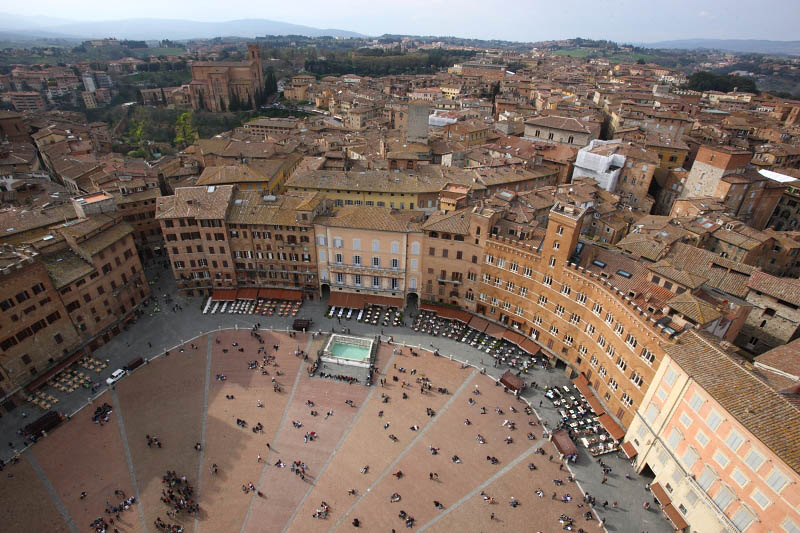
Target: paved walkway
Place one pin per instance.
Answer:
(405, 451)
(52, 491)
(156, 332)
(128, 458)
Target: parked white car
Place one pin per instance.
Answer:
(116, 375)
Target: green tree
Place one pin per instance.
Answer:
(185, 134)
(270, 83)
(137, 132)
(233, 102)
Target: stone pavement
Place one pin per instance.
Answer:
(152, 335)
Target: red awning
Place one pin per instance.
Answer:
(616, 432)
(660, 494)
(675, 517)
(495, 331)
(595, 404)
(512, 381)
(530, 347)
(247, 294)
(630, 451)
(280, 294)
(451, 313)
(512, 336)
(563, 443)
(224, 295)
(359, 301)
(583, 385)
(478, 323)
(38, 382)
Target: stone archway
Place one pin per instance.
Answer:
(412, 303)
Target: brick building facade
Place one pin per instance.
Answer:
(216, 83)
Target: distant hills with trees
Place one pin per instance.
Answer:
(155, 29)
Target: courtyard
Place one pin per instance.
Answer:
(181, 399)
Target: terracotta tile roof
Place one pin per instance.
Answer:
(560, 123)
(16, 221)
(83, 227)
(639, 245)
(723, 274)
(736, 239)
(229, 174)
(198, 202)
(698, 311)
(233, 148)
(371, 218)
(678, 275)
(784, 358)
(105, 238)
(787, 289)
(454, 222)
(766, 413)
(614, 263)
(428, 178)
(65, 267)
(249, 207)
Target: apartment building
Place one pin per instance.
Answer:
(272, 240)
(671, 152)
(137, 203)
(369, 255)
(594, 312)
(619, 167)
(263, 174)
(219, 237)
(193, 223)
(775, 319)
(266, 127)
(36, 327)
(720, 437)
(711, 164)
(570, 131)
(67, 291)
(786, 215)
(453, 246)
(414, 190)
(27, 101)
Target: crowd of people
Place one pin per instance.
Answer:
(106, 524)
(339, 377)
(178, 495)
(101, 413)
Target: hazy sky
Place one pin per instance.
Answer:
(523, 20)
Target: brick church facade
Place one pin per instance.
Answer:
(215, 82)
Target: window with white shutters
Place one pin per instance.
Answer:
(706, 479)
(739, 477)
(754, 460)
(713, 420)
(689, 458)
(742, 519)
(674, 438)
(723, 498)
(652, 412)
(696, 402)
(776, 480)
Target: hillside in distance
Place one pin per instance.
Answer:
(156, 29)
(746, 46)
